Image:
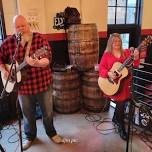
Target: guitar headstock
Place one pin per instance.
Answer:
(147, 41)
(43, 51)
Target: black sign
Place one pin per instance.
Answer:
(59, 21)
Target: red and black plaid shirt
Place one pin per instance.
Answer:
(36, 79)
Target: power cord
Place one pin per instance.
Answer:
(14, 138)
(98, 122)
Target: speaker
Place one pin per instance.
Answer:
(145, 117)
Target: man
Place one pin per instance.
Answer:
(36, 86)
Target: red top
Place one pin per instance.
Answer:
(106, 64)
(37, 79)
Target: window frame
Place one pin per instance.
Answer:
(2, 22)
(137, 15)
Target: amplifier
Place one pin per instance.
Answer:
(143, 116)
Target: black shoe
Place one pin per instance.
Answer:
(122, 133)
(114, 120)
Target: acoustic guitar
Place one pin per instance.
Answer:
(9, 85)
(109, 86)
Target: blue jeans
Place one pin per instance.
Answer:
(28, 106)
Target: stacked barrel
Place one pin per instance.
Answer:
(83, 48)
(66, 91)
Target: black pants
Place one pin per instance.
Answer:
(119, 114)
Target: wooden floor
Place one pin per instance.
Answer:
(88, 129)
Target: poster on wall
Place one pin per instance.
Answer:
(33, 19)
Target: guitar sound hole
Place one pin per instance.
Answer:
(116, 73)
(12, 77)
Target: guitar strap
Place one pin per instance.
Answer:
(28, 46)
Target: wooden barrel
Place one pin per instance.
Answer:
(92, 96)
(66, 91)
(83, 46)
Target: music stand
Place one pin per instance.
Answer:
(14, 71)
(131, 110)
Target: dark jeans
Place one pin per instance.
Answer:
(119, 114)
(28, 106)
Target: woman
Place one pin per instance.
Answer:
(115, 53)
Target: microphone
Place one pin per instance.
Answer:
(19, 36)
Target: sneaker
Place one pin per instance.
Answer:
(27, 144)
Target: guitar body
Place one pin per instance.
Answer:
(10, 83)
(110, 88)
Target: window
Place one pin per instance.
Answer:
(1, 31)
(122, 11)
(2, 24)
(124, 17)
(125, 40)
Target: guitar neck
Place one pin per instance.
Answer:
(21, 66)
(125, 63)
(40, 52)
(144, 43)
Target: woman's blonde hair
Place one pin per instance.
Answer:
(110, 42)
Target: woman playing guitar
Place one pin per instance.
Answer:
(113, 54)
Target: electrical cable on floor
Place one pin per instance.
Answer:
(144, 135)
(105, 131)
(14, 135)
(17, 138)
(98, 121)
(146, 138)
(17, 147)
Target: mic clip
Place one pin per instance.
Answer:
(19, 36)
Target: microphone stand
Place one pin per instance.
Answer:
(17, 101)
(130, 116)
(1, 148)
(14, 71)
